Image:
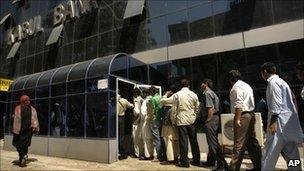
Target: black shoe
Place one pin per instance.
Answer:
(122, 157)
(195, 163)
(183, 165)
(208, 164)
(22, 163)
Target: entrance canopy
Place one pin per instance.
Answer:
(121, 65)
(85, 92)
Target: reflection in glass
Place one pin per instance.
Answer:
(75, 116)
(228, 61)
(178, 69)
(287, 10)
(156, 32)
(204, 67)
(105, 44)
(57, 117)
(158, 73)
(201, 22)
(177, 27)
(106, 19)
(79, 51)
(96, 118)
(42, 107)
(76, 87)
(91, 47)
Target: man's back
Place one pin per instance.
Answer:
(187, 106)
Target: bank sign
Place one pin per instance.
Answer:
(68, 10)
(5, 84)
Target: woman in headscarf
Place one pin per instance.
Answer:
(25, 123)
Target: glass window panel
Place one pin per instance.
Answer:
(86, 25)
(75, 116)
(68, 32)
(287, 10)
(42, 107)
(46, 77)
(79, 71)
(119, 11)
(7, 118)
(226, 17)
(201, 21)
(76, 87)
(79, 52)
(52, 57)
(29, 65)
(229, 61)
(91, 47)
(42, 91)
(256, 13)
(105, 44)
(39, 42)
(100, 67)
(92, 84)
(197, 2)
(58, 116)
(177, 27)
(31, 48)
(255, 58)
(156, 32)
(24, 48)
(20, 83)
(119, 66)
(112, 114)
(158, 73)
(106, 18)
(67, 54)
(97, 115)
(204, 67)
(291, 53)
(17, 95)
(138, 71)
(155, 8)
(32, 81)
(61, 74)
(58, 89)
(178, 69)
(38, 63)
(172, 5)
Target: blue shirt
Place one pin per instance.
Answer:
(280, 102)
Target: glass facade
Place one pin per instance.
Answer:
(103, 31)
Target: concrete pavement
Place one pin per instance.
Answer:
(54, 163)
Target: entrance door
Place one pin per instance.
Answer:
(124, 88)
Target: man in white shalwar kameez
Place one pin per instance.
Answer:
(146, 118)
(283, 131)
(137, 126)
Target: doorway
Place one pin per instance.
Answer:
(124, 89)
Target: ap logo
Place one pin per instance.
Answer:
(294, 163)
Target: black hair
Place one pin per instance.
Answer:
(234, 75)
(300, 66)
(269, 67)
(153, 90)
(208, 82)
(136, 92)
(184, 82)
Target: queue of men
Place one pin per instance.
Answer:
(163, 125)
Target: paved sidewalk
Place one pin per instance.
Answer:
(55, 163)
